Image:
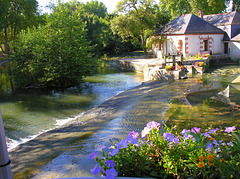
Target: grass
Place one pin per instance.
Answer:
(134, 54)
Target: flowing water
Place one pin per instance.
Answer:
(28, 113)
(154, 101)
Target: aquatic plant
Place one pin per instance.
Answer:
(163, 152)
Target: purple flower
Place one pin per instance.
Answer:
(176, 140)
(111, 173)
(122, 144)
(100, 148)
(206, 134)
(110, 163)
(132, 140)
(230, 129)
(145, 131)
(195, 129)
(96, 170)
(134, 134)
(209, 147)
(185, 134)
(153, 124)
(169, 137)
(92, 155)
(215, 142)
(212, 131)
(114, 152)
(230, 144)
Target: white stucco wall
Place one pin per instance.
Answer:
(194, 43)
(226, 28)
(234, 50)
(172, 44)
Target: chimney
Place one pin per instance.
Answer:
(200, 14)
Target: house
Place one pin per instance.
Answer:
(190, 34)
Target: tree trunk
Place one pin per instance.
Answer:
(6, 40)
(144, 45)
(233, 6)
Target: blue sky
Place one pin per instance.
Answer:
(110, 4)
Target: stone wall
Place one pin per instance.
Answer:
(156, 73)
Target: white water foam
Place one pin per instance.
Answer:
(11, 143)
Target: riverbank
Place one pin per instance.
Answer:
(29, 157)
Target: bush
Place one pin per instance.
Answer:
(54, 55)
(162, 152)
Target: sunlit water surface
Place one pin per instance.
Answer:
(161, 102)
(28, 113)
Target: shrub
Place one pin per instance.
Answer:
(56, 54)
(162, 152)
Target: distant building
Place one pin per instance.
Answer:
(190, 34)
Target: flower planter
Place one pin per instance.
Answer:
(200, 69)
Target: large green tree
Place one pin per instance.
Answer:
(56, 54)
(16, 15)
(179, 7)
(137, 19)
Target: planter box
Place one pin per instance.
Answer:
(200, 69)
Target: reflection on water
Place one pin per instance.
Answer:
(27, 113)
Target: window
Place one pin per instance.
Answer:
(180, 44)
(205, 45)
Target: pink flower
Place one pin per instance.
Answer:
(145, 131)
(230, 129)
(153, 124)
(195, 129)
(134, 134)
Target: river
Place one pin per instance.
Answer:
(30, 112)
(64, 153)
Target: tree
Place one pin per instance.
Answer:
(94, 14)
(179, 7)
(96, 8)
(235, 5)
(56, 54)
(16, 15)
(137, 19)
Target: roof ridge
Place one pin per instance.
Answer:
(220, 13)
(187, 25)
(233, 17)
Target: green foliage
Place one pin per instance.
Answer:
(137, 19)
(56, 54)
(179, 7)
(15, 16)
(162, 152)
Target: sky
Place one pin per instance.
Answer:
(110, 4)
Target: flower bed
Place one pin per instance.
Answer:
(200, 64)
(169, 68)
(162, 152)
